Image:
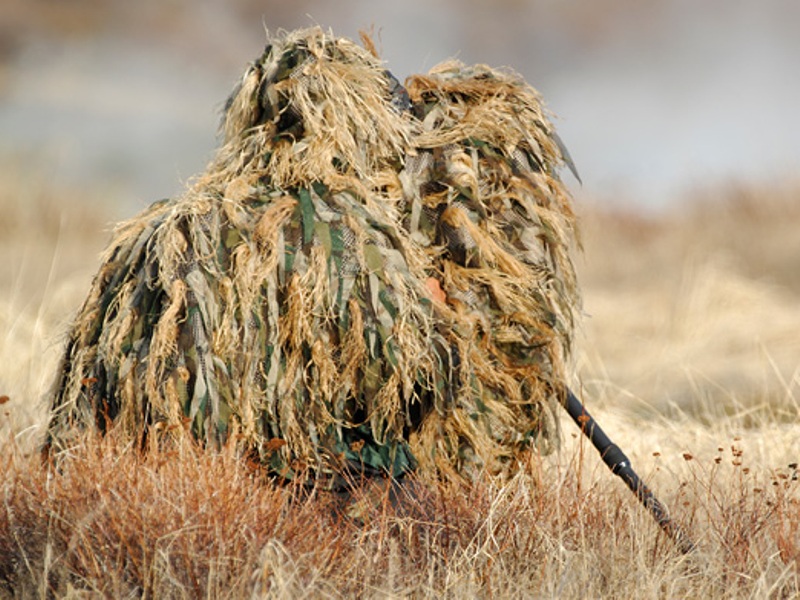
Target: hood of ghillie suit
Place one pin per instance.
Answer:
(305, 299)
(312, 108)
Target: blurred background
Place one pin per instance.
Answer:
(654, 99)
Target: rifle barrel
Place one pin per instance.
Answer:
(616, 460)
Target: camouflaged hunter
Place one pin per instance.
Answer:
(363, 278)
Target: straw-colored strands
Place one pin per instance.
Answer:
(354, 282)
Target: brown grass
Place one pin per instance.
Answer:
(190, 523)
(688, 359)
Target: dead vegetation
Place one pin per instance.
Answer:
(192, 523)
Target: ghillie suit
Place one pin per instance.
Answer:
(484, 199)
(289, 301)
(277, 302)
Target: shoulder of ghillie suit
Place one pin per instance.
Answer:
(482, 183)
(335, 292)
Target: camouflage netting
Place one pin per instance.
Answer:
(354, 282)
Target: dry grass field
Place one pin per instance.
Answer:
(689, 357)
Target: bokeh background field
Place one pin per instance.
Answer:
(689, 353)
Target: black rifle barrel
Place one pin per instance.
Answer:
(620, 465)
